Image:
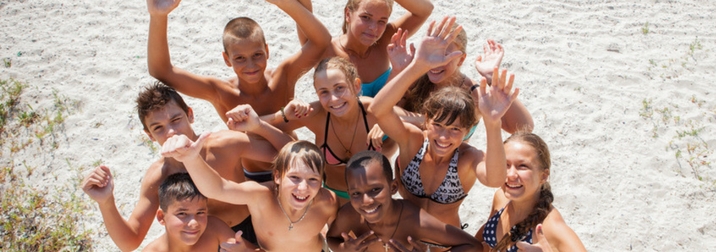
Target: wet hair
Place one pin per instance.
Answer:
(448, 104)
(298, 151)
(361, 159)
(352, 5)
(345, 66)
(242, 28)
(155, 97)
(544, 203)
(423, 87)
(177, 187)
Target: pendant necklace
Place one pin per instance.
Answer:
(290, 226)
(348, 149)
(385, 245)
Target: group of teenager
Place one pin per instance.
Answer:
(256, 187)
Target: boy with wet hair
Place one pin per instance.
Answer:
(374, 221)
(164, 114)
(183, 212)
(246, 52)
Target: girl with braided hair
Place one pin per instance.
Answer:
(523, 205)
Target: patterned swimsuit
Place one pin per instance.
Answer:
(449, 191)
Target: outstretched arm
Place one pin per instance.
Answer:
(244, 118)
(301, 35)
(209, 182)
(429, 54)
(418, 12)
(126, 234)
(318, 40)
(493, 102)
(159, 60)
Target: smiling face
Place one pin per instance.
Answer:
(298, 185)
(168, 121)
(525, 171)
(368, 21)
(248, 58)
(445, 138)
(450, 71)
(185, 220)
(370, 191)
(336, 93)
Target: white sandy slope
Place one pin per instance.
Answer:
(609, 100)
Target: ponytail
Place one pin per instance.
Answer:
(540, 211)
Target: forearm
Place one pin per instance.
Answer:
(123, 235)
(495, 161)
(301, 35)
(313, 30)
(158, 59)
(419, 8)
(517, 118)
(207, 180)
(276, 137)
(393, 91)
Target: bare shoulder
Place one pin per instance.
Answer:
(559, 234)
(158, 245)
(156, 173)
(326, 200)
(226, 139)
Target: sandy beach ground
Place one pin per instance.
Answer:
(621, 91)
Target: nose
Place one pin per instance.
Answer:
(511, 172)
(303, 185)
(367, 199)
(193, 223)
(171, 132)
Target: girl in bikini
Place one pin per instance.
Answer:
(435, 166)
(516, 117)
(374, 221)
(367, 33)
(524, 201)
(338, 119)
(292, 206)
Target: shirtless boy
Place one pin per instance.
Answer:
(246, 52)
(288, 212)
(374, 221)
(164, 114)
(184, 214)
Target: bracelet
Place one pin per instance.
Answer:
(284, 115)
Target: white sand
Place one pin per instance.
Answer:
(584, 69)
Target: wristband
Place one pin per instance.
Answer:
(283, 114)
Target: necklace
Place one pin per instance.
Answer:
(353, 137)
(385, 245)
(290, 226)
(353, 53)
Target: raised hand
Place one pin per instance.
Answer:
(296, 109)
(99, 184)
(375, 136)
(181, 148)
(398, 52)
(397, 246)
(493, 101)
(243, 118)
(541, 245)
(357, 244)
(491, 58)
(432, 49)
(235, 244)
(161, 7)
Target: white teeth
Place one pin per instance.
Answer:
(300, 198)
(436, 71)
(370, 211)
(513, 185)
